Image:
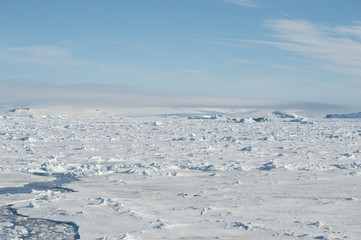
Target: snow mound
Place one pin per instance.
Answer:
(250, 120)
(301, 120)
(285, 115)
(203, 117)
(350, 115)
(20, 110)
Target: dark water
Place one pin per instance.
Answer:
(14, 225)
(55, 185)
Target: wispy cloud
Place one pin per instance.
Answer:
(336, 48)
(191, 71)
(246, 3)
(329, 48)
(350, 30)
(28, 93)
(127, 44)
(39, 55)
(243, 61)
(57, 58)
(289, 68)
(227, 42)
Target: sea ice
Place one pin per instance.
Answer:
(170, 177)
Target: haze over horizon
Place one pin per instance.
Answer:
(281, 51)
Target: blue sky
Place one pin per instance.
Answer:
(264, 49)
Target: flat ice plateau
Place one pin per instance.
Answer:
(174, 177)
(350, 115)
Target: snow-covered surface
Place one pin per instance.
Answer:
(349, 115)
(151, 177)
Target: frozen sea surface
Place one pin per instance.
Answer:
(107, 177)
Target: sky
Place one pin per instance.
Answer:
(287, 50)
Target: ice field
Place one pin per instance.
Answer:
(179, 177)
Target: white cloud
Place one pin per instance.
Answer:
(335, 48)
(247, 3)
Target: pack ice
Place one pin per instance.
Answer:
(179, 177)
